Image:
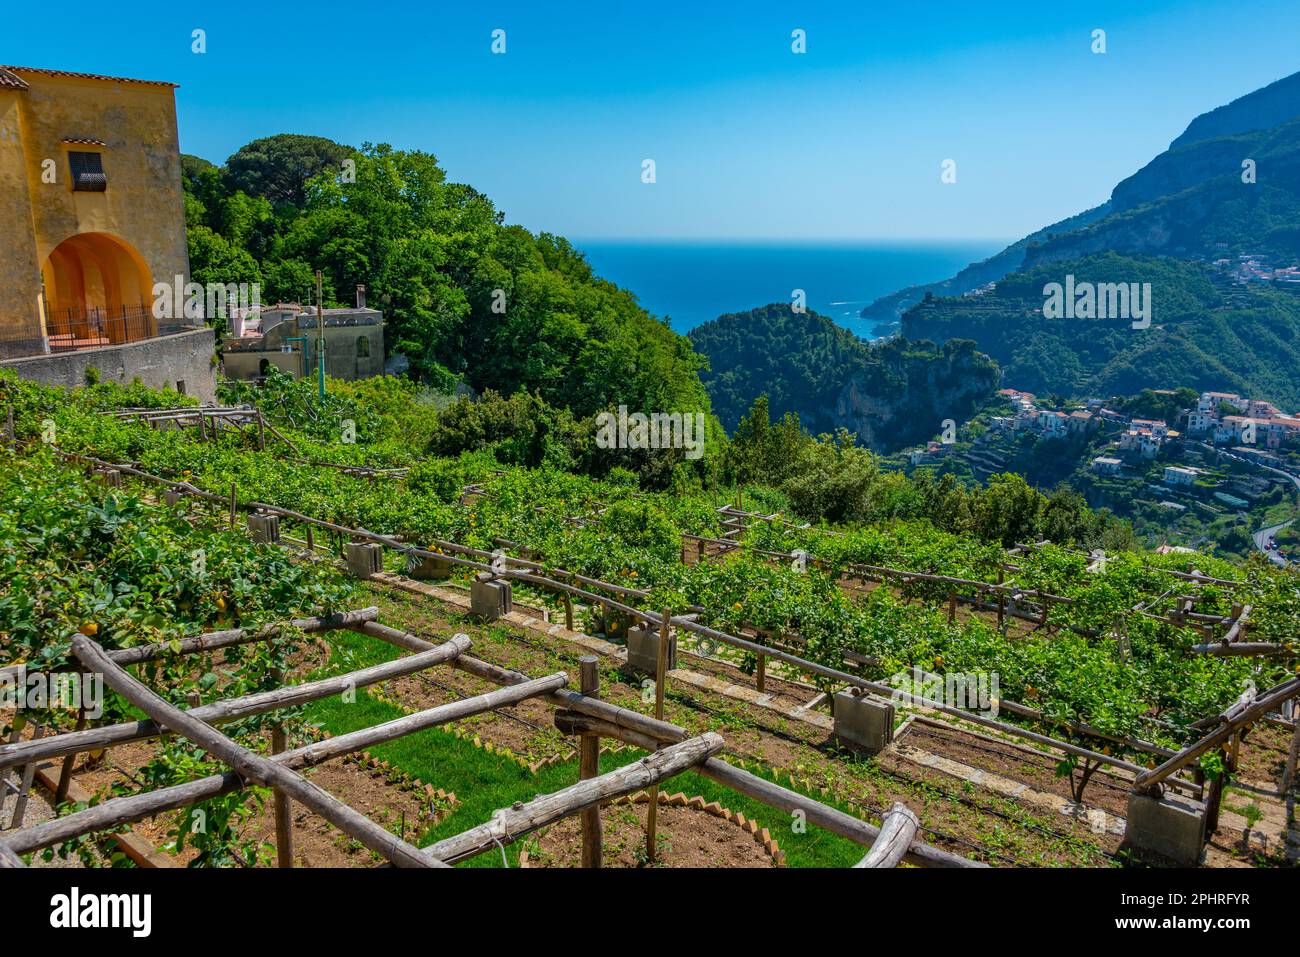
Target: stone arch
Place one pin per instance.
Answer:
(97, 288)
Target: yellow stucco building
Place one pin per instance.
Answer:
(91, 208)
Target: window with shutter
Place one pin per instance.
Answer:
(87, 172)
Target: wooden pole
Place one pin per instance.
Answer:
(568, 611)
(290, 696)
(28, 772)
(897, 831)
(661, 665)
(136, 807)
(65, 775)
(1288, 775)
(589, 765)
(234, 504)
(283, 809)
(261, 432)
(510, 824)
(766, 792)
(1002, 604)
(251, 766)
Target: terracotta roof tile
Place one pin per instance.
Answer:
(10, 81)
(76, 76)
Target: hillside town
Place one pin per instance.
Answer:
(1225, 457)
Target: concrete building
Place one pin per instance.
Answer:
(1199, 421)
(1107, 465)
(1209, 401)
(91, 218)
(285, 335)
(1176, 475)
(1081, 422)
(91, 209)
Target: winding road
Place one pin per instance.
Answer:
(1261, 536)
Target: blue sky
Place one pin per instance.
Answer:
(749, 139)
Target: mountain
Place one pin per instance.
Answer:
(892, 394)
(889, 309)
(1189, 202)
(1205, 332)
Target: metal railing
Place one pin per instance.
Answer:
(76, 329)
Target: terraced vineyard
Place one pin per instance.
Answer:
(1110, 660)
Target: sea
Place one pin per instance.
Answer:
(690, 282)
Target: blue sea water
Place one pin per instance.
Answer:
(692, 282)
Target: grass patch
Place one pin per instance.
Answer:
(485, 782)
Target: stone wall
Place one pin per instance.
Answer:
(185, 358)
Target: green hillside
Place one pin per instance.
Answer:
(1205, 333)
(890, 395)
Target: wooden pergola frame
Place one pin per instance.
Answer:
(672, 749)
(566, 584)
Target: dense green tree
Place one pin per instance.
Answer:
(279, 167)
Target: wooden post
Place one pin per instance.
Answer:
(661, 664)
(234, 504)
(311, 538)
(65, 775)
(589, 765)
(261, 432)
(952, 606)
(28, 773)
(1214, 800)
(283, 809)
(9, 424)
(1002, 603)
(761, 672)
(15, 735)
(1288, 775)
(568, 611)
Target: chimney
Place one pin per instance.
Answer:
(361, 296)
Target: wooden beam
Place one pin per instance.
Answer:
(589, 765)
(212, 640)
(248, 765)
(8, 859)
(510, 824)
(136, 807)
(1239, 714)
(94, 739)
(774, 795)
(897, 830)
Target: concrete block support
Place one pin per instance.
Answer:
(864, 721)
(1171, 825)
(365, 558)
(643, 650)
(490, 600)
(265, 528)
